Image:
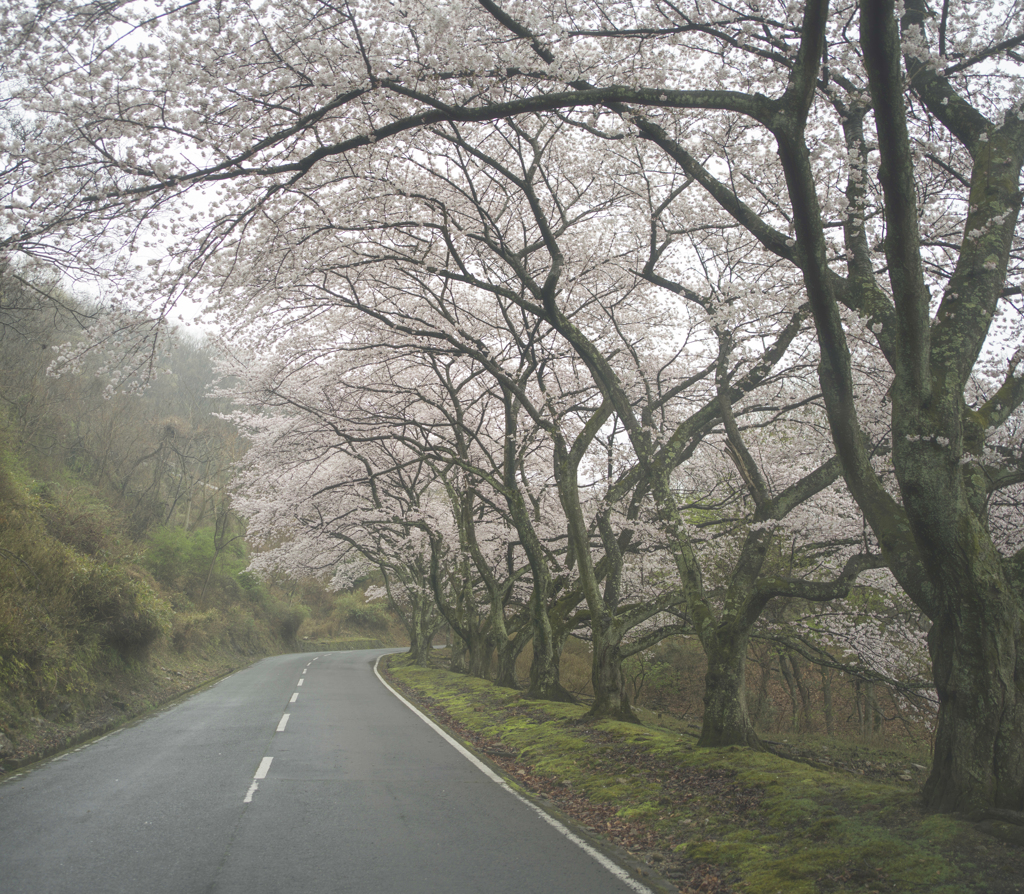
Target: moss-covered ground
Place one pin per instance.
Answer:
(730, 820)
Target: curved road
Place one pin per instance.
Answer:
(300, 773)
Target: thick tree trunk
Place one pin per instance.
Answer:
(803, 720)
(826, 697)
(547, 649)
(506, 648)
(726, 721)
(610, 697)
(787, 675)
(543, 672)
(763, 710)
(977, 637)
(421, 637)
(480, 650)
(458, 658)
(867, 708)
(544, 667)
(505, 666)
(976, 641)
(978, 663)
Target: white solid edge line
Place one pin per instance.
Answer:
(590, 850)
(283, 723)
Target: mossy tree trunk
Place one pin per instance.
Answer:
(452, 587)
(725, 634)
(977, 649)
(421, 633)
(726, 721)
(473, 643)
(801, 695)
(827, 707)
(611, 700)
(458, 660)
(481, 652)
(506, 654)
(543, 682)
(506, 644)
(546, 652)
(546, 647)
(417, 613)
(609, 683)
(507, 647)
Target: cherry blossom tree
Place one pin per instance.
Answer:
(414, 280)
(322, 500)
(409, 406)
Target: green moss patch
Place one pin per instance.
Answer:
(717, 820)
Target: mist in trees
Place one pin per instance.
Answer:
(163, 452)
(625, 317)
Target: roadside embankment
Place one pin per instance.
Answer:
(119, 697)
(723, 820)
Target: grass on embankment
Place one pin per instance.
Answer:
(718, 820)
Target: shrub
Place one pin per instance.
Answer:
(286, 621)
(195, 631)
(188, 562)
(351, 610)
(178, 559)
(75, 517)
(130, 615)
(47, 647)
(253, 587)
(243, 634)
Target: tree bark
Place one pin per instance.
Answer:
(420, 635)
(787, 675)
(543, 667)
(978, 665)
(611, 700)
(826, 697)
(803, 719)
(505, 666)
(726, 721)
(480, 650)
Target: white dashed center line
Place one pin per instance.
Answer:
(264, 767)
(261, 773)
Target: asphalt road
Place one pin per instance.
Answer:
(302, 773)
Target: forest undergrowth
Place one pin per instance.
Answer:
(729, 820)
